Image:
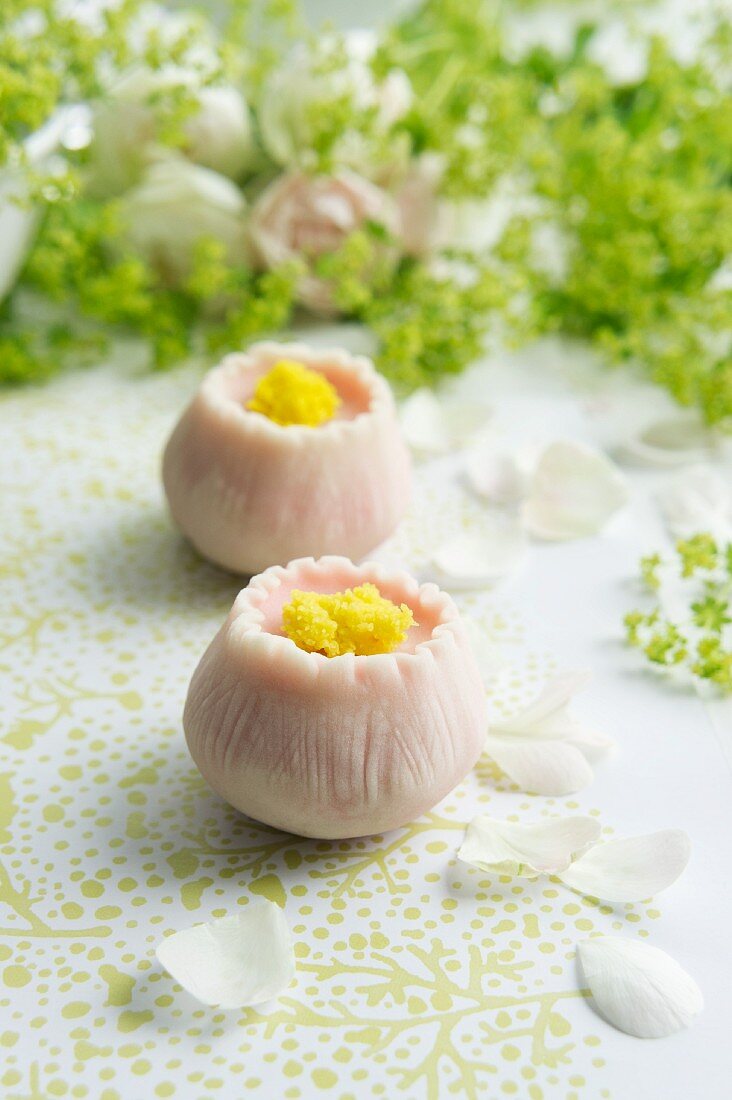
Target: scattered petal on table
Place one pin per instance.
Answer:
(436, 425)
(500, 475)
(592, 744)
(543, 747)
(637, 988)
(698, 499)
(544, 848)
(423, 424)
(547, 715)
(673, 441)
(486, 652)
(631, 869)
(464, 419)
(241, 960)
(539, 765)
(575, 491)
(474, 560)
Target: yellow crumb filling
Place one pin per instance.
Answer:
(291, 393)
(359, 620)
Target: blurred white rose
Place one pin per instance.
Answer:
(18, 220)
(300, 216)
(18, 217)
(176, 205)
(126, 128)
(295, 89)
(220, 133)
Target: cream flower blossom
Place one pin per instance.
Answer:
(18, 217)
(304, 80)
(176, 205)
(218, 134)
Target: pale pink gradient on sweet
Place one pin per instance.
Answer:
(343, 746)
(250, 493)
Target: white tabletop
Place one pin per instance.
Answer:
(417, 977)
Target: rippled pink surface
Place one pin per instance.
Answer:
(335, 747)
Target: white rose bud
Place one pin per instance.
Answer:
(17, 226)
(220, 133)
(304, 217)
(176, 205)
(294, 88)
(126, 128)
(18, 217)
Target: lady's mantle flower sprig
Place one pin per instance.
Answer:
(491, 175)
(690, 627)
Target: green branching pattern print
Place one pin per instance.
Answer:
(437, 999)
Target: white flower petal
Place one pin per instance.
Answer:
(591, 744)
(698, 499)
(621, 53)
(637, 988)
(486, 652)
(575, 491)
(434, 424)
(473, 560)
(631, 869)
(500, 475)
(241, 960)
(423, 423)
(541, 766)
(673, 441)
(547, 724)
(175, 205)
(18, 216)
(544, 847)
(547, 715)
(463, 418)
(17, 226)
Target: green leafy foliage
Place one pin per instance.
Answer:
(638, 179)
(472, 106)
(633, 178)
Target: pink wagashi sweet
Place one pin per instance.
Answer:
(335, 746)
(249, 492)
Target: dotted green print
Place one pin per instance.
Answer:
(417, 977)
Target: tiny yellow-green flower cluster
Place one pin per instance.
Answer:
(359, 620)
(291, 393)
(698, 641)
